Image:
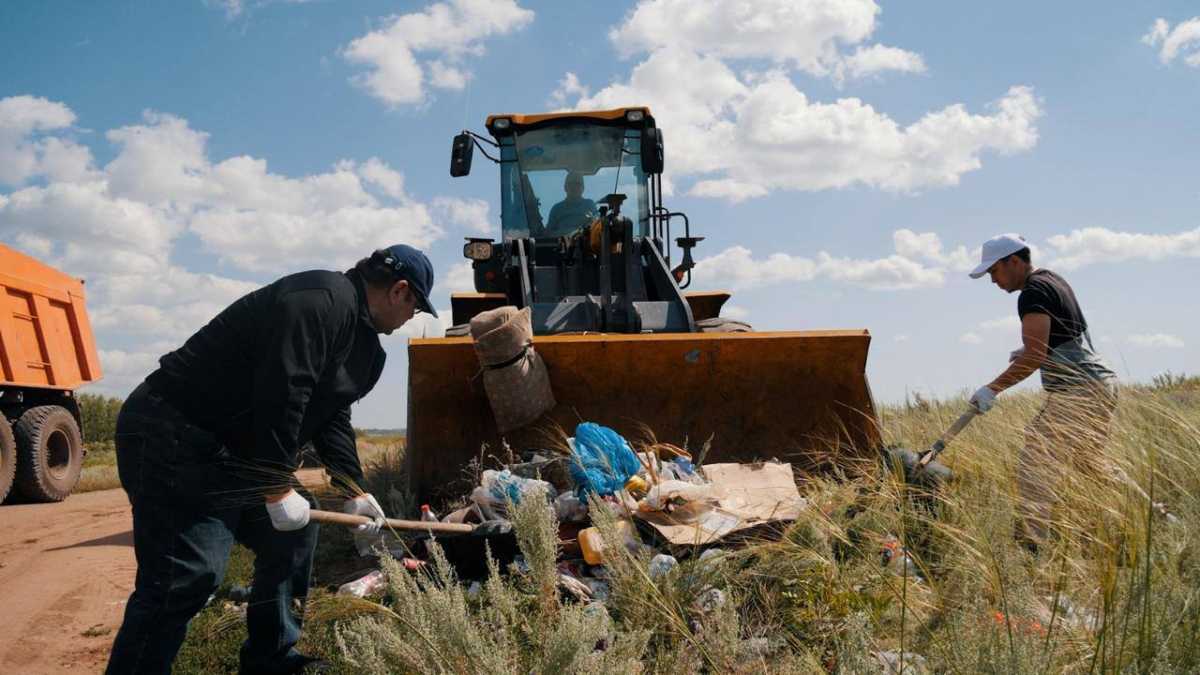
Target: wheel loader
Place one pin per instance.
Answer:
(586, 244)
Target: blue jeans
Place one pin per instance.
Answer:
(190, 505)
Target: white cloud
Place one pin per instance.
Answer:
(568, 87)
(236, 8)
(124, 370)
(460, 278)
(741, 134)
(735, 312)
(737, 267)
(1183, 39)
(24, 154)
(233, 8)
(744, 137)
(420, 326)
(986, 330)
(928, 246)
(808, 35)
(416, 51)
(121, 225)
(876, 59)
(1097, 244)
(1156, 341)
(1009, 323)
(469, 215)
(902, 337)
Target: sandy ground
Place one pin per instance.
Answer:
(66, 571)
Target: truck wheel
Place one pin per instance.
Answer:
(720, 324)
(50, 453)
(8, 458)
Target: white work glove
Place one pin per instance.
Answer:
(1016, 354)
(983, 399)
(289, 513)
(365, 505)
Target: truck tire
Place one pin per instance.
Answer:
(719, 324)
(50, 453)
(8, 458)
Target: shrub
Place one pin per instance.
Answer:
(99, 416)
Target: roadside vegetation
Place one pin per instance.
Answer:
(99, 416)
(1118, 590)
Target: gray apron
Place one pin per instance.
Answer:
(1076, 364)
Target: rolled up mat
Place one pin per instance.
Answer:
(514, 375)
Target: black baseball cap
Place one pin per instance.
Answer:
(411, 265)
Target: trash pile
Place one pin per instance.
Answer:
(664, 506)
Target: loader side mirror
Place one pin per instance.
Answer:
(652, 150)
(460, 155)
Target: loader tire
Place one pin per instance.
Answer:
(8, 458)
(720, 324)
(50, 453)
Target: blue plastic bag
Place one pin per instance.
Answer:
(502, 486)
(602, 461)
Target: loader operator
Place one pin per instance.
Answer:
(574, 211)
(1081, 390)
(206, 447)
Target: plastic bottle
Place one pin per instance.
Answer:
(897, 560)
(427, 515)
(365, 585)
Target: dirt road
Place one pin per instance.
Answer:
(65, 572)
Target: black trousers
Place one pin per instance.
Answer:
(190, 504)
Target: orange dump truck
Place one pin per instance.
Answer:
(46, 352)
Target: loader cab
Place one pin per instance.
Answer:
(585, 240)
(540, 165)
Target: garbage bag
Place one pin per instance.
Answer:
(601, 460)
(497, 488)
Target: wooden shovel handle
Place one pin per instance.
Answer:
(350, 520)
(940, 444)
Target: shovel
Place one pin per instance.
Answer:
(923, 469)
(940, 444)
(351, 520)
(464, 545)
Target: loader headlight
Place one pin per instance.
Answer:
(478, 249)
(635, 115)
(502, 123)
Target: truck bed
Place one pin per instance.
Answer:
(45, 337)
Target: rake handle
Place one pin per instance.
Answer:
(351, 520)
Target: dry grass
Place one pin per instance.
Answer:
(99, 468)
(1117, 589)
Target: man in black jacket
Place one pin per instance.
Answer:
(207, 447)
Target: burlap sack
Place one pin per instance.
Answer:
(514, 376)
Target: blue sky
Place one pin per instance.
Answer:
(844, 158)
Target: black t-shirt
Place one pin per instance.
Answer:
(1047, 293)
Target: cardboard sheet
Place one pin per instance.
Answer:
(748, 496)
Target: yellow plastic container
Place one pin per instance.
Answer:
(592, 544)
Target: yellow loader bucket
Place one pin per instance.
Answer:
(801, 397)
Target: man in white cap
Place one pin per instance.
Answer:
(1081, 395)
